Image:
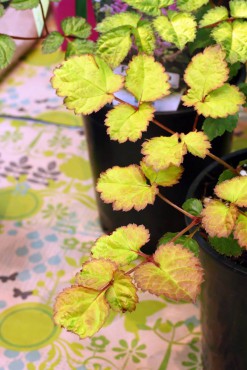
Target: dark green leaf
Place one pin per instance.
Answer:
(24, 4)
(202, 40)
(234, 68)
(226, 175)
(193, 206)
(76, 26)
(214, 127)
(79, 47)
(227, 246)
(185, 240)
(192, 357)
(52, 42)
(135, 359)
(201, 11)
(7, 49)
(243, 88)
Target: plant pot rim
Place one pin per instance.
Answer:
(225, 261)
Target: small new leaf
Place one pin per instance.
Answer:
(24, 4)
(197, 143)
(193, 206)
(240, 232)
(216, 127)
(122, 245)
(76, 26)
(234, 191)
(162, 152)
(126, 188)
(80, 310)
(238, 8)
(176, 28)
(86, 82)
(121, 295)
(168, 177)
(150, 7)
(125, 122)
(146, 79)
(214, 15)
(52, 42)
(190, 5)
(185, 240)
(79, 47)
(226, 246)
(218, 219)
(7, 49)
(177, 273)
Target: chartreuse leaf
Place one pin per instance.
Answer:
(206, 72)
(122, 245)
(240, 232)
(197, 143)
(96, 274)
(87, 83)
(234, 191)
(80, 310)
(226, 246)
(193, 206)
(144, 37)
(185, 240)
(221, 102)
(238, 8)
(7, 49)
(177, 273)
(76, 26)
(114, 46)
(146, 79)
(79, 47)
(168, 177)
(125, 122)
(218, 219)
(162, 152)
(52, 42)
(177, 28)
(121, 295)
(233, 39)
(126, 188)
(190, 5)
(150, 7)
(216, 127)
(214, 15)
(1, 10)
(118, 20)
(24, 4)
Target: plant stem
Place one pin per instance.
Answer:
(229, 20)
(163, 126)
(124, 102)
(219, 160)
(176, 207)
(43, 16)
(187, 228)
(165, 361)
(27, 38)
(195, 122)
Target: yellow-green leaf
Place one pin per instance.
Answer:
(151, 7)
(144, 37)
(86, 82)
(206, 72)
(177, 28)
(218, 219)
(162, 152)
(240, 232)
(168, 177)
(197, 143)
(118, 20)
(177, 273)
(81, 310)
(238, 8)
(233, 39)
(146, 79)
(96, 274)
(233, 190)
(126, 188)
(214, 15)
(7, 50)
(121, 295)
(190, 5)
(125, 122)
(122, 245)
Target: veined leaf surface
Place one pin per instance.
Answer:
(76, 26)
(168, 177)
(234, 191)
(240, 232)
(80, 310)
(87, 83)
(125, 122)
(24, 4)
(238, 8)
(144, 37)
(177, 28)
(197, 143)
(218, 219)
(190, 5)
(177, 275)
(151, 7)
(162, 152)
(118, 20)
(7, 49)
(146, 79)
(126, 188)
(122, 245)
(121, 295)
(214, 15)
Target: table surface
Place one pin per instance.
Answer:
(48, 223)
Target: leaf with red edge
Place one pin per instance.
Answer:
(197, 143)
(218, 219)
(240, 232)
(234, 191)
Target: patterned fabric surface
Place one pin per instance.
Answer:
(49, 221)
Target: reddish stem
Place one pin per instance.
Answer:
(27, 38)
(194, 222)
(195, 122)
(223, 163)
(163, 127)
(229, 20)
(176, 207)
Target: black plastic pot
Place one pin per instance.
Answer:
(223, 298)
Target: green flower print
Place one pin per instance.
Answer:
(135, 352)
(98, 344)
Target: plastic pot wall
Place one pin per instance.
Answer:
(223, 298)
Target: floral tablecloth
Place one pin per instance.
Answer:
(49, 221)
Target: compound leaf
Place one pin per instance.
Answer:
(240, 232)
(197, 143)
(216, 127)
(214, 15)
(52, 42)
(190, 5)
(122, 245)
(177, 273)
(76, 26)
(86, 82)
(226, 246)
(7, 49)
(238, 8)
(233, 190)
(168, 177)
(150, 7)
